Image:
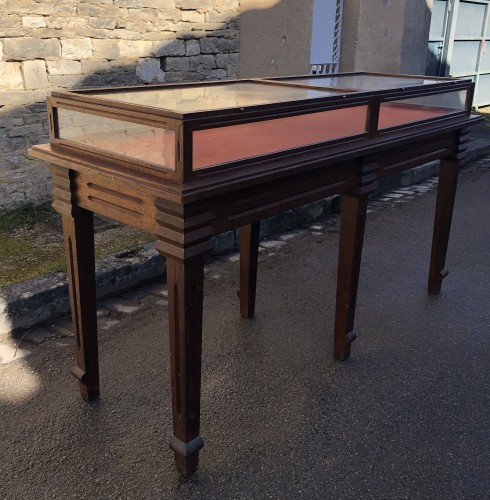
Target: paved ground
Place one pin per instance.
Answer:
(405, 417)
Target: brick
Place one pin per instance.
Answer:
(26, 49)
(35, 75)
(11, 76)
(76, 48)
(172, 48)
(64, 67)
(33, 22)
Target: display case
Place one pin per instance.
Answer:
(187, 162)
(184, 130)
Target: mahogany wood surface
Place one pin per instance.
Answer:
(249, 254)
(186, 212)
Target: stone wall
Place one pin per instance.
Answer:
(53, 44)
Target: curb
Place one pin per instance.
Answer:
(45, 298)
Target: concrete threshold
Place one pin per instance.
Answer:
(44, 299)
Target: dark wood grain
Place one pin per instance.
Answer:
(352, 223)
(249, 254)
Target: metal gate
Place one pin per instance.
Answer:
(459, 43)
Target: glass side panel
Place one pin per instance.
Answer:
(235, 142)
(190, 99)
(420, 108)
(151, 144)
(361, 82)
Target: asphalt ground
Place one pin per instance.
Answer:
(407, 416)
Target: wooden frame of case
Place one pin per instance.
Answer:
(184, 124)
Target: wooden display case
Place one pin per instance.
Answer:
(190, 161)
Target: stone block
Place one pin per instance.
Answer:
(64, 67)
(69, 24)
(27, 130)
(47, 33)
(217, 74)
(177, 63)
(225, 60)
(33, 22)
(135, 48)
(202, 62)
(102, 11)
(157, 4)
(1, 51)
(226, 5)
(104, 23)
(120, 78)
(174, 76)
(192, 48)
(11, 21)
(76, 48)
(105, 49)
(126, 64)
(72, 81)
(215, 17)
(149, 70)
(11, 76)
(35, 75)
(194, 76)
(215, 45)
(26, 49)
(126, 34)
(192, 16)
(92, 66)
(199, 5)
(171, 48)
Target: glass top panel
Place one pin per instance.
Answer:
(189, 99)
(361, 82)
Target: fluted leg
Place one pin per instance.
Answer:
(78, 230)
(185, 304)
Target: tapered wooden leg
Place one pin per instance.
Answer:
(78, 230)
(446, 193)
(249, 253)
(185, 299)
(353, 219)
